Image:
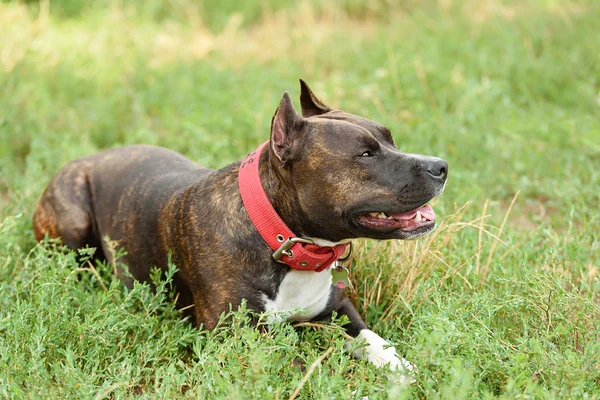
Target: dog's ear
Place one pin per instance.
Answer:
(310, 104)
(286, 131)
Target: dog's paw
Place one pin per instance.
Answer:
(379, 353)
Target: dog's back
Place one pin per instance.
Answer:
(80, 201)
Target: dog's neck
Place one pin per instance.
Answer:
(284, 198)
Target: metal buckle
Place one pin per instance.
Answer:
(346, 254)
(284, 249)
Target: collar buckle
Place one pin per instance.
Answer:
(285, 248)
(344, 257)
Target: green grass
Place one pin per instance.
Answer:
(507, 91)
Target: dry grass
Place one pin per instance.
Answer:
(485, 11)
(279, 34)
(397, 269)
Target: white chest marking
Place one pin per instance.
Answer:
(305, 290)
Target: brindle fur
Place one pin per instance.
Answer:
(153, 201)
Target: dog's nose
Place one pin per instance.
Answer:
(438, 169)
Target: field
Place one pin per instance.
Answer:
(503, 300)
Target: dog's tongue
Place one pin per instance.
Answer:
(426, 212)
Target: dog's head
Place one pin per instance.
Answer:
(346, 176)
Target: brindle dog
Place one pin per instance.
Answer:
(330, 175)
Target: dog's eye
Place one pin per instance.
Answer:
(367, 153)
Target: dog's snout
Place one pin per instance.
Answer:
(438, 169)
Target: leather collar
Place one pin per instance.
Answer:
(298, 253)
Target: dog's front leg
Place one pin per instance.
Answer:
(377, 350)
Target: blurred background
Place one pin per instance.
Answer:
(508, 91)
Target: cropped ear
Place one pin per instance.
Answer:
(286, 131)
(310, 104)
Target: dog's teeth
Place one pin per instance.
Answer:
(418, 216)
(382, 215)
(373, 214)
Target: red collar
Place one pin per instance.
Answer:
(298, 253)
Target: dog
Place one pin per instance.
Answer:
(272, 230)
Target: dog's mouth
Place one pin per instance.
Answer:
(409, 221)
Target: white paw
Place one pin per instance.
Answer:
(379, 353)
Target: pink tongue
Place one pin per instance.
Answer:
(426, 212)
